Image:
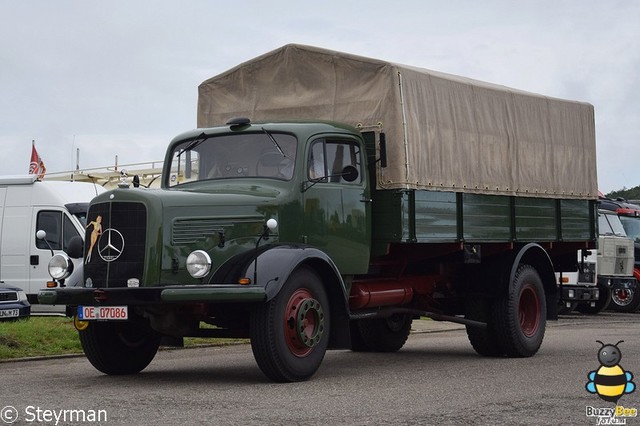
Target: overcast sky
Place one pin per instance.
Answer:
(120, 77)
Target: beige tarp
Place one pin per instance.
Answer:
(443, 132)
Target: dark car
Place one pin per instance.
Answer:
(13, 303)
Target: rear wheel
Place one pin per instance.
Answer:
(118, 348)
(520, 315)
(625, 299)
(381, 334)
(290, 333)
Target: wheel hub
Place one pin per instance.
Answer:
(622, 296)
(310, 322)
(304, 323)
(529, 310)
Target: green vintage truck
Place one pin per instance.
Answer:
(325, 201)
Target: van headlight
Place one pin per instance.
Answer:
(198, 264)
(60, 266)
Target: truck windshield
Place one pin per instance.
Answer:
(246, 155)
(610, 224)
(632, 227)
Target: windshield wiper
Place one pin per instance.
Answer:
(275, 143)
(194, 143)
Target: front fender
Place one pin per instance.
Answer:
(275, 263)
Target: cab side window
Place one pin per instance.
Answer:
(329, 160)
(58, 227)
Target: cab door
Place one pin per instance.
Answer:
(60, 228)
(336, 210)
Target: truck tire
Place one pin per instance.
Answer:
(381, 334)
(625, 299)
(116, 348)
(483, 340)
(290, 333)
(520, 315)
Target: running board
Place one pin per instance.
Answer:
(387, 312)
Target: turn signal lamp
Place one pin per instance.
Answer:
(79, 324)
(244, 281)
(52, 284)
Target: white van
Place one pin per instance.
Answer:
(28, 205)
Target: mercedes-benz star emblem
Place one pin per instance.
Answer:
(110, 245)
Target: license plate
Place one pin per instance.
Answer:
(9, 313)
(93, 313)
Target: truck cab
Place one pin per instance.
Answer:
(310, 178)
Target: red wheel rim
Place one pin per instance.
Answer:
(303, 323)
(622, 296)
(529, 311)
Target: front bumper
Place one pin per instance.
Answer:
(579, 294)
(8, 311)
(229, 293)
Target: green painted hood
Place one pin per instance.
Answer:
(224, 219)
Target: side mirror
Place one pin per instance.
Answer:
(76, 247)
(349, 173)
(41, 234)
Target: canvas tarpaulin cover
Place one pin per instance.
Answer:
(443, 132)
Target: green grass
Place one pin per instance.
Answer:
(50, 335)
(38, 336)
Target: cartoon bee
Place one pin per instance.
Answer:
(610, 381)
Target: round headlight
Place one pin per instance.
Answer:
(198, 264)
(60, 266)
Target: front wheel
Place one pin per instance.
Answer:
(290, 333)
(118, 348)
(625, 298)
(520, 315)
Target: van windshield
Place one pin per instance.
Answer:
(234, 156)
(79, 210)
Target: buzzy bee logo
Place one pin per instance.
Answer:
(610, 382)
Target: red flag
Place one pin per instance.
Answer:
(36, 167)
